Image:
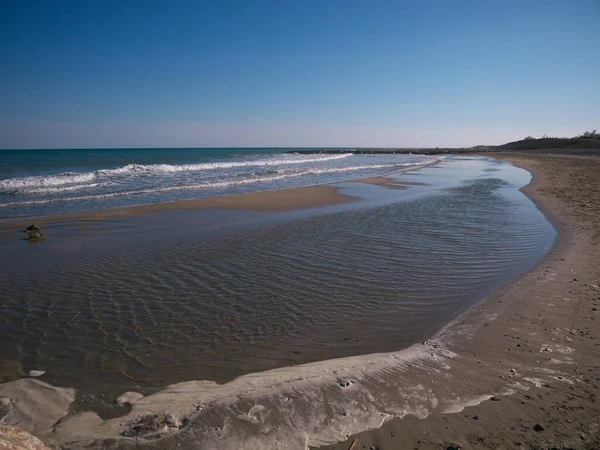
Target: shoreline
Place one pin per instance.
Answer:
(276, 200)
(557, 407)
(263, 201)
(444, 359)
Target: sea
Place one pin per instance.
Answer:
(36, 182)
(144, 302)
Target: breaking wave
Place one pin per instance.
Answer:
(13, 185)
(274, 176)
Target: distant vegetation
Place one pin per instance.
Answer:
(589, 135)
(588, 140)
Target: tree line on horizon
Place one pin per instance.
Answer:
(586, 135)
(586, 140)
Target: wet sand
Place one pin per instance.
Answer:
(532, 347)
(388, 182)
(540, 335)
(267, 201)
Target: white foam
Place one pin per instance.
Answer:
(284, 405)
(279, 175)
(58, 189)
(168, 168)
(128, 398)
(198, 186)
(459, 404)
(70, 178)
(13, 184)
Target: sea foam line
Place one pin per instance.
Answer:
(200, 186)
(14, 184)
(168, 168)
(58, 189)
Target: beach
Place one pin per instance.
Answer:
(539, 336)
(526, 342)
(300, 226)
(266, 201)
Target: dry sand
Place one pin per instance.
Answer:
(534, 346)
(546, 322)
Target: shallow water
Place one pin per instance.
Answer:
(140, 303)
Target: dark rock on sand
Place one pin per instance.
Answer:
(32, 228)
(537, 427)
(33, 232)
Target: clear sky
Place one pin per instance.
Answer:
(153, 73)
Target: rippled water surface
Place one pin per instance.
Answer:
(123, 312)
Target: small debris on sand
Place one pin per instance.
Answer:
(153, 425)
(36, 373)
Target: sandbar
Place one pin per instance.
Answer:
(387, 182)
(266, 201)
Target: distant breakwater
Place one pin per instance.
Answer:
(401, 151)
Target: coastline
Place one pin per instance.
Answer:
(540, 330)
(263, 201)
(267, 201)
(446, 361)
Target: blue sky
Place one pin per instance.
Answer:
(295, 73)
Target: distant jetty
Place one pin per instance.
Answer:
(400, 151)
(587, 143)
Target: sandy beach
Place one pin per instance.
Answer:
(540, 334)
(300, 226)
(267, 201)
(517, 370)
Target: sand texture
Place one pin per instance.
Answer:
(387, 182)
(13, 438)
(542, 332)
(519, 370)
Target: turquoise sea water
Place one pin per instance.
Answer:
(59, 181)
